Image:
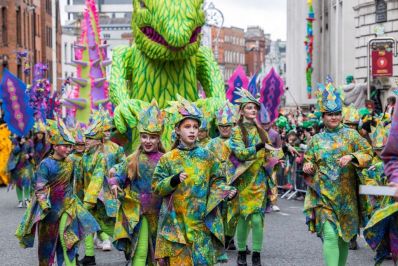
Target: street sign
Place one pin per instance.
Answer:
(382, 63)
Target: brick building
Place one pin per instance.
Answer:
(27, 25)
(231, 49)
(255, 49)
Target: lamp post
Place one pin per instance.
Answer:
(215, 18)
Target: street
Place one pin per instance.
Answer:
(286, 240)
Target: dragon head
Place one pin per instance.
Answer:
(168, 29)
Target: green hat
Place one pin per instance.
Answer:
(39, 127)
(379, 135)
(79, 135)
(58, 133)
(246, 97)
(351, 115)
(182, 109)
(330, 99)
(151, 120)
(227, 115)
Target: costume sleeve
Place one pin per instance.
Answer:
(121, 174)
(309, 156)
(363, 151)
(390, 152)
(217, 178)
(162, 179)
(96, 179)
(238, 146)
(41, 186)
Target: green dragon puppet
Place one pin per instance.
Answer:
(165, 59)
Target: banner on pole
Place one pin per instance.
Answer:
(382, 61)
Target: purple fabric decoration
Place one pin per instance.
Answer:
(237, 80)
(18, 113)
(254, 90)
(271, 93)
(390, 152)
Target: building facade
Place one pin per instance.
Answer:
(342, 30)
(255, 49)
(229, 50)
(26, 25)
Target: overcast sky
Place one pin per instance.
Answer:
(268, 14)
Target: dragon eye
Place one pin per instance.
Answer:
(142, 4)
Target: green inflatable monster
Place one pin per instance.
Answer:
(165, 59)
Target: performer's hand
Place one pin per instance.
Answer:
(232, 193)
(309, 168)
(88, 205)
(183, 176)
(26, 156)
(395, 185)
(345, 160)
(115, 190)
(372, 167)
(112, 172)
(282, 163)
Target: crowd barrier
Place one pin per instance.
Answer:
(297, 177)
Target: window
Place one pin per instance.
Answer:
(19, 29)
(4, 32)
(381, 11)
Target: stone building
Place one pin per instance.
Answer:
(229, 50)
(26, 25)
(255, 49)
(342, 30)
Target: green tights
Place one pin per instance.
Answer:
(141, 253)
(335, 249)
(62, 226)
(21, 192)
(242, 231)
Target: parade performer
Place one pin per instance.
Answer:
(114, 154)
(382, 230)
(137, 220)
(5, 150)
(56, 213)
(331, 204)
(204, 130)
(20, 166)
(76, 156)
(93, 174)
(165, 59)
(41, 146)
(248, 141)
(189, 180)
(220, 147)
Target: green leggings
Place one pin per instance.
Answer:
(62, 226)
(242, 231)
(89, 243)
(141, 252)
(335, 249)
(21, 192)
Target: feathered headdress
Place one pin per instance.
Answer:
(330, 99)
(151, 119)
(227, 114)
(58, 133)
(181, 109)
(246, 97)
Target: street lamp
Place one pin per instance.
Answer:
(214, 17)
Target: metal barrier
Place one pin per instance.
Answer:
(298, 181)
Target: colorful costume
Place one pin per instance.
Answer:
(139, 207)
(41, 147)
(221, 149)
(5, 150)
(331, 203)
(57, 214)
(20, 166)
(253, 183)
(190, 224)
(93, 174)
(382, 230)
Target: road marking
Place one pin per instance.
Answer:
(284, 214)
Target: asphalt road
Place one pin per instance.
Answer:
(286, 241)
